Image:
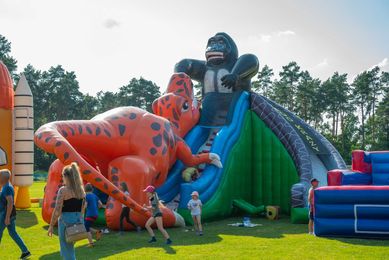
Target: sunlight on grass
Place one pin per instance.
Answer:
(273, 240)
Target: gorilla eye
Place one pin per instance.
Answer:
(221, 42)
(185, 107)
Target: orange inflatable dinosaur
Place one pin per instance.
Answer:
(126, 144)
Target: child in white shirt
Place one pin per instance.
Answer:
(195, 207)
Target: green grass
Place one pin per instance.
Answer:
(273, 240)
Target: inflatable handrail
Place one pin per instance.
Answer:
(225, 139)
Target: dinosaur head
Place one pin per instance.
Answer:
(178, 104)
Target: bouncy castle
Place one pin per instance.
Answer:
(356, 202)
(17, 134)
(247, 151)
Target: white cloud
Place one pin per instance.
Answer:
(323, 63)
(111, 23)
(265, 37)
(286, 33)
(274, 35)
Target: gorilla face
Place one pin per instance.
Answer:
(218, 48)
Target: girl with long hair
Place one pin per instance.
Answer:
(69, 208)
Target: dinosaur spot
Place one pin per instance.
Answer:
(186, 89)
(165, 136)
(158, 175)
(52, 205)
(58, 143)
(114, 170)
(115, 192)
(80, 129)
(155, 126)
(153, 151)
(89, 130)
(168, 106)
(98, 131)
(157, 140)
(66, 155)
(98, 179)
(115, 178)
(167, 126)
(107, 133)
(114, 118)
(179, 83)
(105, 186)
(175, 124)
(160, 111)
(175, 115)
(72, 130)
(48, 139)
(122, 129)
(179, 91)
(164, 150)
(64, 133)
(109, 206)
(163, 102)
(87, 172)
(171, 142)
(132, 116)
(167, 98)
(40, 136)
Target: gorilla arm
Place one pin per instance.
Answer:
(193, 68)
(244, 69)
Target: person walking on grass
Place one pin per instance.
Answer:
(8, 212)
(195, 207)
(156, 215)
(69, 208)
(125, 214)
(314, 185)
(92, 206)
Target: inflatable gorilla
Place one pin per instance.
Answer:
(221, 75)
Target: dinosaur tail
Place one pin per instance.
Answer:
(52, 139)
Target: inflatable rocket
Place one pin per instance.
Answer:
(17, 134)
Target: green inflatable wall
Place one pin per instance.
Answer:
(273, 169)
(259, 170)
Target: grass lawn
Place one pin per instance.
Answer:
(273, 240)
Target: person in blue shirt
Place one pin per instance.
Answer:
(92, 205)
(8, 213)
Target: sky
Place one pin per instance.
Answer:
(109, 42)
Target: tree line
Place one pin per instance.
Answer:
(57, 96)
(351, 115)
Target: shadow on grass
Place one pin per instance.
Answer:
(113, 243)
(214, 232)
(26, 219)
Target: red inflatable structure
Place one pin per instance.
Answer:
(126, 144)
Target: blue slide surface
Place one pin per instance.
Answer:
(207, 184)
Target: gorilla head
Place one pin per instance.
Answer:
(221, 49)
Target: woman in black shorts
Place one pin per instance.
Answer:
(155, 207)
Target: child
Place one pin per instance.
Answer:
(155, 207)
(125, 214)
(195, 206)
(92, 204)
(314, 184)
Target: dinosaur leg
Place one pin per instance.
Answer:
(49, 138)
(137, 174)
(54, 182)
